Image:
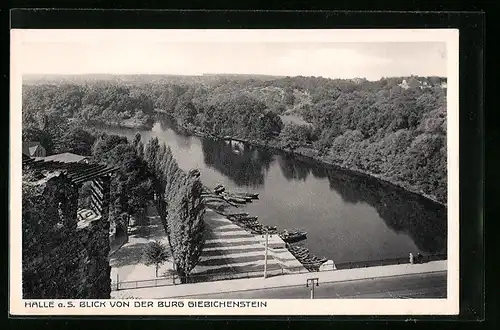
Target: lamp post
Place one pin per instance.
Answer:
(265, 253)
(314, 282)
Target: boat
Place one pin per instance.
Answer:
(236, 216)
(254, 227)
(247, 195)
(293, 236)
(271, 229)
(302, 256)
(248, 218)
(219, 189)
(250, 226)
(214, 200)
(237, 200)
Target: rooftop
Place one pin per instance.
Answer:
(65, 157)
(30, 147)
(76, 172)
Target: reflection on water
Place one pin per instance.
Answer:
(291, 169)
(348, 217)
(246, 166)
(418, 217)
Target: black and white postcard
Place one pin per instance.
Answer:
(231, 172)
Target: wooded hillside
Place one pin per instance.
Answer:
(394, 128)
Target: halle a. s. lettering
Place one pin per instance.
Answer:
(39, 304)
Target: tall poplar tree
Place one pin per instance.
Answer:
(186, 224)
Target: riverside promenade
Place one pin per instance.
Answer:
(291, 280)
(231, 250)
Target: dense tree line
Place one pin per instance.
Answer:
(179, 204)
(132, 185)
(148, 171)
(144, 172)
(47, 106)
(394, 128)
(56, 117)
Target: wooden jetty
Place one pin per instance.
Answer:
(219, 198)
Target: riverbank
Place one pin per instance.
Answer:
(312, 154)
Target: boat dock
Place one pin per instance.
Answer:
(279, 248)
(232, 252)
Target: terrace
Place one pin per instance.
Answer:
(78, 173)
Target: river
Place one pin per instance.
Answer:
(348, 217)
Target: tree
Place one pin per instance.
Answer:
(32, 133)
(76, 140)
(138, 145)
(151, 152)
(294, 135)
(105, 144)
(136, 140)
(155, 165)
(289, 97)
(250, 109)
(271, 125)
(132, 186)
(186, 224)
(155, 253)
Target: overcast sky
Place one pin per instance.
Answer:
(371, 60)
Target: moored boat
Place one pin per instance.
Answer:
(237, 215)
(247, 195)
(248, 218)
(237, 200)
(293, 236)
(219, 189)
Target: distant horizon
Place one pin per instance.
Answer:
(41, 75)
(112, 52)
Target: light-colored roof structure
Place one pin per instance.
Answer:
(76, 172)
(66, 157)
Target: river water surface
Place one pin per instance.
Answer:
(347, 217)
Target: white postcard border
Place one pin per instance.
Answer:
(448, 306)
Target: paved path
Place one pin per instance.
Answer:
(430, 285)
(283, 281)
(230, 250)
(126, 263)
